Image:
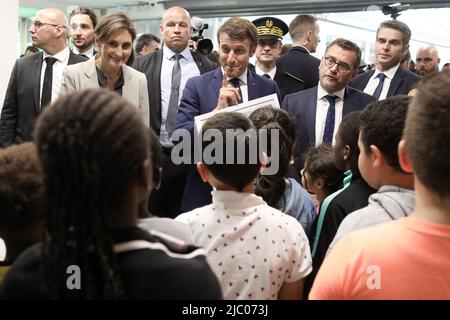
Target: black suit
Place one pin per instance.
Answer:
(165, 202)
(22, 102)
(296, 70)
(302, 105)
(151, 66)
(402, 82)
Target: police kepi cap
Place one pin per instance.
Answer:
(270, 28)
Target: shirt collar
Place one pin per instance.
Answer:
(299, 45)
(89, 53)
(321, 93)
(242, 77)
(389, 73)
(61, 56)
(169, 53)
(236, 200)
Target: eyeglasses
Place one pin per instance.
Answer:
(342, 67)
(38, 24)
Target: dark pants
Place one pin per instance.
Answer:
(166, 201)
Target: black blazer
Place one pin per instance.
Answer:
(296, 70)
(22, 105)
(402, 82)
(151, 66)
(302, 105)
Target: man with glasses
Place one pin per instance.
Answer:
(318, 111)
(36, 80)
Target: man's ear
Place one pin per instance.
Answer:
(252, 51)
(403, 157)
(376, 156)
(203, 171)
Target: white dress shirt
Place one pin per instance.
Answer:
(374, 81)
(189, 69)
(262, 73)
(58, 68)
(322, 109)
(89, 53)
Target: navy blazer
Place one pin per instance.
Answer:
(302, 105)
(200, 96)
(22, 106)
(402, 82)
(297, 70)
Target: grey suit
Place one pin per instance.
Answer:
(84, 75)
(22, 106)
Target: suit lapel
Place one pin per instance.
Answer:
(311, 114)
(252, 89)
(217, 84)
(396, 81)
(35, 73)
(156, 78)
(129, 89)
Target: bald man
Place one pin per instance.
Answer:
(427, 60)
(159, 67)
(36, 80)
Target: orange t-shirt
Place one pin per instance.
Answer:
(403, 259)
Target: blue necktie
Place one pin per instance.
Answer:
(236, 83)
(379, 88)
(329, 122)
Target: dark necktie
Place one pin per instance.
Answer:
(47, 86)
(379, 88)
(267, 76)
(236, 84)
(329, 122)
(174, 94)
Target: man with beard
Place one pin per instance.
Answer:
(318, 111)
(427, 60)
(82, 22)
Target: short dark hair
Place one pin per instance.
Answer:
(145, 40)
(300, 25)
(239, 29)
(236, 175)
(86, 11)
(382, 124)
(348, 46)
(22, 190)
(319, 163)
(348, 131)
(397, 25)
(427, 133)
(32, 49)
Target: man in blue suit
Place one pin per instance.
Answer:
(318, 111)
(388, 78)
(226, 86)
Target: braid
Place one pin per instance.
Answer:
(271, 188)
(92, 144)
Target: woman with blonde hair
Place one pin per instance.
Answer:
(114, 36)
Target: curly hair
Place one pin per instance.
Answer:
(92, 145)
(22, 191)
